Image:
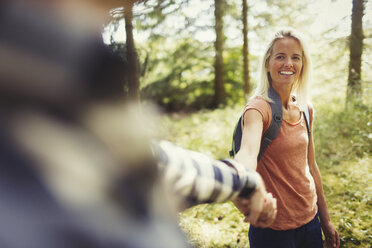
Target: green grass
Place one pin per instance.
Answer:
(344, 147)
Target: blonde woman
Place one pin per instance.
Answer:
(288, 166)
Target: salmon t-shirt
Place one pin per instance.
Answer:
(285, 170)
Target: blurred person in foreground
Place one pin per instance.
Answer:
(288, 166)
(78, 167)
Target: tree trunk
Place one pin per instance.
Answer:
(247, 87)
(354, 86)
(132, 58)
(219, 87)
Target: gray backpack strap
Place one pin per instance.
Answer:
(237, 137)
(276, 122)
(307, 120)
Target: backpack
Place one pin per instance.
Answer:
(273, 130)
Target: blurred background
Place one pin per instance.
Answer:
(176, 46)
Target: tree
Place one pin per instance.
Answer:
(131, 54)
(132, 58)
(354, 85)
(247, 87)
(219, 87)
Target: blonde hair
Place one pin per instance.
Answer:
(301, 87)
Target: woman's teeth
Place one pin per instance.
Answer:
(286, 72)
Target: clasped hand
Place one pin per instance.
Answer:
(259, 209)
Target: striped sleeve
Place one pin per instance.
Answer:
(199, 179)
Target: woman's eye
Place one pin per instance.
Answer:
(297, 58)
(280, 57)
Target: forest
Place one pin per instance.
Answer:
(198, 61)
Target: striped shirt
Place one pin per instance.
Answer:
(197, 179)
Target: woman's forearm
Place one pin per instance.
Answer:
(321, 201)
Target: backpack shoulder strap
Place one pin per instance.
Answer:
(307, 120)
(237, 137)
(276, 121)
(270, 134)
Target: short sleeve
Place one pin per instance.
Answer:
(263, 107)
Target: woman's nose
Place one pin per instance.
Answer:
(288, 62)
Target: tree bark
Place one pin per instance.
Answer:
(132, 58)
(354, 86)
(220, 94)
(247, 87)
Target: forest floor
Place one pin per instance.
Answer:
(343, 142)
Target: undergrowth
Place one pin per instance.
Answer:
(343, 140)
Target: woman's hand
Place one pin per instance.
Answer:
(259, 209)
(268, 213)
(332, 239)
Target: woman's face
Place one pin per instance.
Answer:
(285, 62)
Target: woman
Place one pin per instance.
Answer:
(288, 165)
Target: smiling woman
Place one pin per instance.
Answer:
(288, 166)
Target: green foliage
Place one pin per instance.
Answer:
(209, 132)
(349, 191)
(183, 77)
(352, 128)
(180, 77)
(215, 225)
(343, 145)
(234, 75)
